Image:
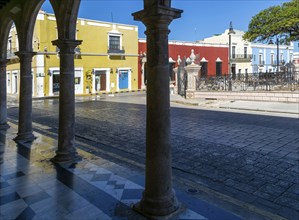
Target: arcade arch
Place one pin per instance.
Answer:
(158, 198)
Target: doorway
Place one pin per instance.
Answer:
(100, 80)
(123, 79)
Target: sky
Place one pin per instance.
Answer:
(200, 19)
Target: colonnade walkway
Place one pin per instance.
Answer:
(32, 187)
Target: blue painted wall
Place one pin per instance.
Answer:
(267, 52)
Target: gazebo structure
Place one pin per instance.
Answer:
(159, 198)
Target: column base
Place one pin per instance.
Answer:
(65, 157)
(163, 208)
(24, 137)
(4, 126)
(190, 93)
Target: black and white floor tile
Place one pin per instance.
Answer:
(31, 187)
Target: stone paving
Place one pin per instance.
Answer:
(246, 159)
(31, 187)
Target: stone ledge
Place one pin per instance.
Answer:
(255, 96)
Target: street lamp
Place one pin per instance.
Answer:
(277, 53)
(230, 32)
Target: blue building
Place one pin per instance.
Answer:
(270, 57)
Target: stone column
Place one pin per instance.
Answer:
(66, 134)
(3, 95)
(158, 197)
(25, 98)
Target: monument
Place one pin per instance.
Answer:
(192, 70)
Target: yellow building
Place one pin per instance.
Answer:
(105, 62)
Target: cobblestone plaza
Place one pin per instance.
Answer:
(244, 163)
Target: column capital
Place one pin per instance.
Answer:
(157, 14)
(23, 55)
(66, 46)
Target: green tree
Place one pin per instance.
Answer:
(282, 21)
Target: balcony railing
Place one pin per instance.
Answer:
(241, 57)
(116, 51)
(281, 62)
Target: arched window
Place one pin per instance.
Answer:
(204, 67)
(218, 67)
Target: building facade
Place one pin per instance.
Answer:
(247, 57)
(212, 57)
(270, 57)
(106, 62)
(240, 51)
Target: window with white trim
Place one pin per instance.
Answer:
(261, 61)
(281, 58)
(272, 59)
(114, 42)
(233, 52)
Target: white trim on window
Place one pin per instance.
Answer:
(116, 34)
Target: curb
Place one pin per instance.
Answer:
(235, 108)
(259, 110)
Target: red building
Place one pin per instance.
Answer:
(213, 58)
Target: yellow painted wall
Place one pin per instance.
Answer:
(93, 49)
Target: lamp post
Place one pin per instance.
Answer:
(277, 53)
(230, 32)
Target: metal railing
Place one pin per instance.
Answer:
(241, 57)
(116, 50)
(288, 81)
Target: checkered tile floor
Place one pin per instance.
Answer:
(31, 187)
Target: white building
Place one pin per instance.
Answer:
(241, 52)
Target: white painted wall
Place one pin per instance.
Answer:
(40, 75)
(237, 41)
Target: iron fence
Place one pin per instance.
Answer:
(288, 81)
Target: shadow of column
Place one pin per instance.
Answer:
(23, 157)
(63, 191)
(2, 145)
(24, 150)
